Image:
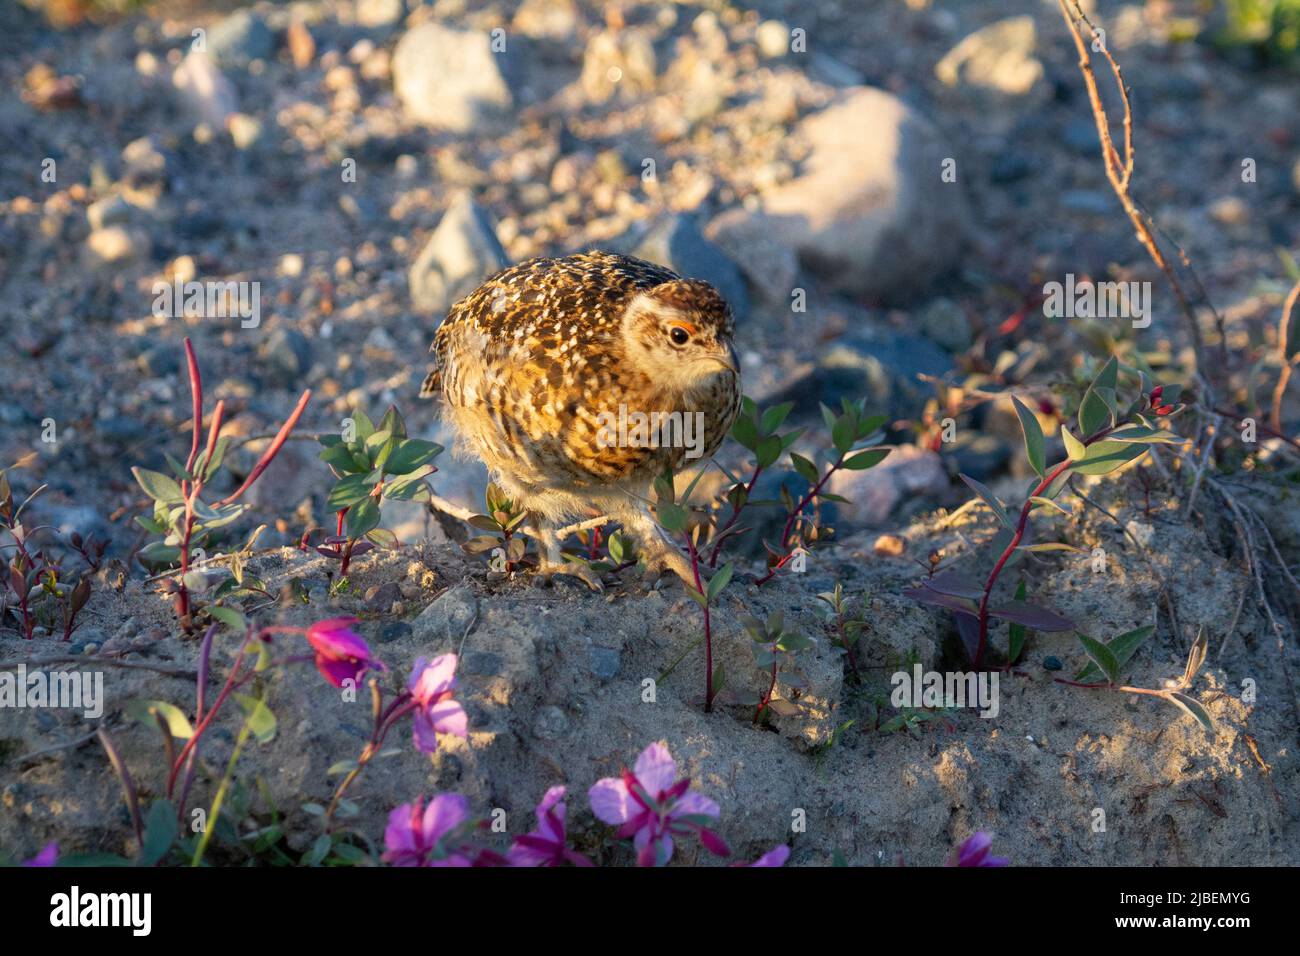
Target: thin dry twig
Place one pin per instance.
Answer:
(1119, 169)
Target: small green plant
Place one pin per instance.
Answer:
(853, 434)
(772, 643)
(1108, 660)
(372, 465)
(1112, 439)
(503, 542)
(844, 623)
(36, 587)
(185, 521)
(1270, 28)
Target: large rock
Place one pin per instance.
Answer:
(676, 242)
(998, 58)
(871, 211)
(461, 253)
(450, 79)
(241, 37)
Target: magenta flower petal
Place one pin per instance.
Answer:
(48, 856)
(773, 857)
(446, 811)
(695, 804)
(429, 680)
(448, 717)
(341, 654)
(975, 851)
(610, 800)
(655, 769)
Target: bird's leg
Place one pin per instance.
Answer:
(659, 553)
(552, 561)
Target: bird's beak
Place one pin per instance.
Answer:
(726, 359)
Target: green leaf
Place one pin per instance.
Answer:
(775, 416)
(260, 719)
(319, 850)
(343, 766)
(1031, 615)
(349, 490)
(1122, 647)
(229, 617)
(362, 518)
(745, 432)
(393, 422)
(1075, 449)
(412, 487)
(843, 433)
(148, 711)
(1135, 433)
(1094, 414)
(158, 486)
(768, 451)
(828, 416)
(383, 538)
(339, 457)
(411, 454)
(804, 468)
(1049, 503)
(1193, 707)
(1107, 456)
(672, 517)
(989, 498)
(867, 459)
(719, 581)
(160, 831)
(1102, 656)
(1034, 445)
(365, 427)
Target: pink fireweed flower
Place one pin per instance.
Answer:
(341, 654)
(431, 686)
(546, 845)
(47, 857)
(773, 857)
(432, 836)
(975, 852)
(651, 808)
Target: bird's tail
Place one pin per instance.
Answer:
(432, 385)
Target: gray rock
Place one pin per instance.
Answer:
(461, 253)
(391, 631)
(870, 211)
(874, 494)
(944, 322)
(380, 13)
(109, 211)
(450, 79)
(446, 619)
(239, 38)
(483, 664)
(998, 58)
(204, 91)
(285, 355)
(979, 455)
(676, 242)
(381, 597)
(117, 244)
(605, 662)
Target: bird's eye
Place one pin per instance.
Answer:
(679, 335)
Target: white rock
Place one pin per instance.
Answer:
(460, 254)
(449, 78)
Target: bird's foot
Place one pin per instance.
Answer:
(659, 561)
(577, 569)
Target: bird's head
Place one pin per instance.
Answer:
(679, 333)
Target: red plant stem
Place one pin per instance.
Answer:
(196, 401)
(708, 632)
(347, 558)
(1015, 542)
(273, 449)
(735, 514)
(338, 525)
(789, 522)
(767, 698)
(206, 721)
(218, 414)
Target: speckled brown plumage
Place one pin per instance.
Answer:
(534, 361)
